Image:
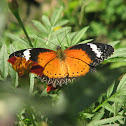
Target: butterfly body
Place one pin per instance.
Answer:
(62, 66)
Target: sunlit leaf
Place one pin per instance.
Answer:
(46, 21)
(122, 84)
(116, 99)
(61, 30)
(17, 39)
(110, 90)
(14, 76)
(31, 83)
(79, 35)
(119, 53)
(99, 115)
(87, 115)
(108, 107)
(61, 23)
(108, 120)
(85, 41)
(56, 15)
(113, 43)
(40, 26)
(3, 61)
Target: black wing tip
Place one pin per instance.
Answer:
(106, 50)
(17, 53)
(109, 51)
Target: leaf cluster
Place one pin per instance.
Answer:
(106, 18)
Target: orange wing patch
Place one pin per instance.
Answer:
(45, 57)
(76, 67)
(78, 54)
(56, 69)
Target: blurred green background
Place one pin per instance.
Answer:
(106, 18)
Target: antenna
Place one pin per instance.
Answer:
(57, 38)
(46, 40)
(65, 35)
(60, 42)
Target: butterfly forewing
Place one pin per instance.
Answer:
(96, 52)
(32, 54)
(78, 53)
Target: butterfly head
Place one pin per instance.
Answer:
(58, 48)
(60, 53)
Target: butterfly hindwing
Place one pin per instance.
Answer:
(55, 69)
(76, 67)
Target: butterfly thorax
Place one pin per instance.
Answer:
(60, 53)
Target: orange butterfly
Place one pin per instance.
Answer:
(62, 66)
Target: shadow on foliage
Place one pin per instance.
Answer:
(72, 99)
(81, 94)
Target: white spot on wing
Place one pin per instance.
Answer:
(95, 49)
(27, 54)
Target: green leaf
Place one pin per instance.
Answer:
(12, 72)
(99, 115)
(108, 107)
(12, 48)
(14, 76)
(41, 42)
(3, 61)
(18, 45)
(115, 99)
(110, 90)
(56, 15)
(31, 83)
(79, 35)
(122, 84)
(113, 43)
(88, 115)
(61, 23)
(100, 99)
(68, 40)
(61, 31)
(40, 26)
(118, 56)
(17, 39)
(121, 93)
(46, 21)
(1, 41)
(85, 41)
(117, 59)
(115, 124)
(119, 53)
(108, 120)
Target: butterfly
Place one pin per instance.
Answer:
(63, 66)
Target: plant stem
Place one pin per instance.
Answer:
(14, 7)
(24, 82)
(22, 26)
